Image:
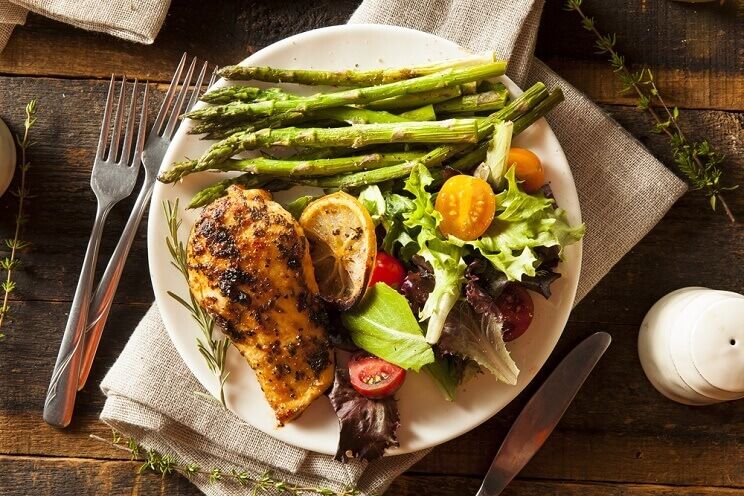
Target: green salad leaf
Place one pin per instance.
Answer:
(445, 375)
(498, 151)
(384, 325)
(480, 339)
(444, 257)
(396, 234)
(374, 201)
(522, 223)
(449, 275)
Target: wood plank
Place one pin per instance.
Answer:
(82, 477)
(76, 477)
(696, 54)
(660, 34)
(63, 156)
(414, 485)
(682, 87)
(618, 429)
(696, 51)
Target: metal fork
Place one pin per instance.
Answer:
(155, 147)
(112, 179)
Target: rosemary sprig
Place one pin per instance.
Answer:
(697, 160)
(213, 350)
(22, 192)
(152, 461)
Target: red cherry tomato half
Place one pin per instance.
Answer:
(374, 377)
(517, 310)
(388, 270)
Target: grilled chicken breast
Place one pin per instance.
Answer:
(249, 267)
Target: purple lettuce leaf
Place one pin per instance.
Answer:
(478, 338)
(368, 427)
(417, 285)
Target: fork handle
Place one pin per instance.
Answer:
(104, 295)
(60, 398)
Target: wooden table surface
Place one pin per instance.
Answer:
(619, 437)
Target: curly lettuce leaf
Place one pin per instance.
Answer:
(397, 239)
(444, 257)
(368, 427)
(523, 223)
(374, 201)
(478, 338)
(449, 275)
(384, 325)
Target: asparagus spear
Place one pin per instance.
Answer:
(480, 102)
(351, 115)
(228, 127)
(244, 94)
(489, 85)
(518, 109)
(521, 105)
(349, 77)
(425, 113)
(541, 110)
(478, 155)
(449, 131)
(296, 168)
(445, 78)
(218, 190)
(469, 88)
(354, 115)
(416, 99)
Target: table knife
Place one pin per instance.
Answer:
(542, 413)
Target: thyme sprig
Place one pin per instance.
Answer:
(212, 349)
(153, 461)
(11, 262)
(696, 160)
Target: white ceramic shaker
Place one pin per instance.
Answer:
(691, 346)
(7, 157)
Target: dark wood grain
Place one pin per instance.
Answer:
(695, 50)
(83, 477)
(619, 437)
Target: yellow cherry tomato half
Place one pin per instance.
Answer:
(467, 205)
(528, 168)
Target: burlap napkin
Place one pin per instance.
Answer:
(11, 15)
(624, 191)
(135, 20)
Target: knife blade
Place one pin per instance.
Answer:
(542, 413)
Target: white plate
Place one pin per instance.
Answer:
(426, 418)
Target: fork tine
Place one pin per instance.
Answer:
(126, 149)
(176, 110)
(142, 130)
(118, 119)
(160, 118)
(103, 137)
(213, 79)
(197, 87)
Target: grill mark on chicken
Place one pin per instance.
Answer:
(249, 266)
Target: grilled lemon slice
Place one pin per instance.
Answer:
(343, 246)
